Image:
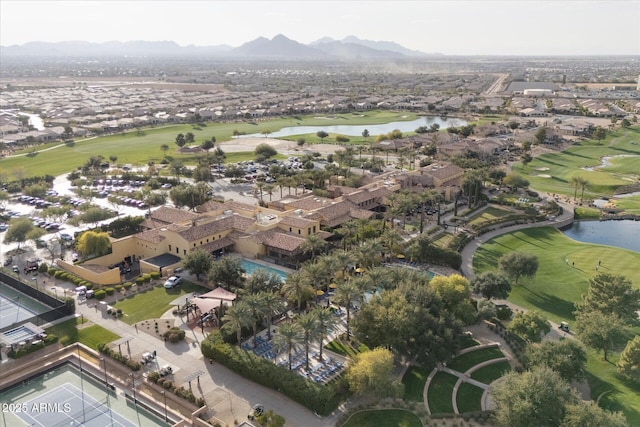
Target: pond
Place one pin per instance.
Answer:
(623, 234)
(356, 130)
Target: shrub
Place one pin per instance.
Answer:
(118, 288)
(154, 275)
(100, 294)
(89, 285)
(109, 291)
(134, 366)
(174, 335)
(146, 278)
(127, 285)
(139, 280)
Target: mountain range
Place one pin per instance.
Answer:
(279, 47)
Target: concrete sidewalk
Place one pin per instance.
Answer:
(228, 395)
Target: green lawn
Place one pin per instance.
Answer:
(154, 302)
(556, 285)
(561, 166)
(384, 418)
(91, 336)
(346, 348)
(141, 147)
(490, 373)
(586, 213)
(618, 393)
(414, 380)
(489, 214)
(466, 361)
(469, 398)
(440, 392)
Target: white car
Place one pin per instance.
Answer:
(172, 282)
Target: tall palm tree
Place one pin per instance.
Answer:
(330, 264)
(312, 244)
(346, 294)
(288, 336)
(297, 288)
(326, 323)
(309, 325)
(392, 240)
(272, 304)
(316, 274)
(255, 302)
(368, 253)
(345, 260)
(575, 180)
(237, 317)
(583, 184)
(348, 231)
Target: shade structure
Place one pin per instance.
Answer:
(333, 286)
(205, 305)
(400, 256)
(319, 292)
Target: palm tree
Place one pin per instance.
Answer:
(367, 254)
(237, 317)
(309, 325)
(330, 264)
(575, 180)
(255, 302)
(326, 322)
(315, 273)
(346, 294)
(344, 260)
(312, 244)
(272, 304)
(297, 288)
(392, 240)
(583, 184)
(349, 233)
(288, 336)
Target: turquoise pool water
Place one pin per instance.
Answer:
(251, 266)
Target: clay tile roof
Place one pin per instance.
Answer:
(360, 213)
(231, 222)
(211, 205)
(296, 221)
(275, 239)
(215, 245)
(170, 215)
(152, 236)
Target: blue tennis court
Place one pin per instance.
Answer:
(62, 396)
(67, 405)
(16, 306)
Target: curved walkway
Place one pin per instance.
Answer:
(470, 249)
(463, 376)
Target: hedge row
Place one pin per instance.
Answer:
(69, 277)
(167, 384)
(48, 340)
(134, 366)
(322, 398)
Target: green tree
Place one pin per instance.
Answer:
(611, 294)
(567, 357)
(347, 294)
(270, 419)
(272, 305)
(18, 230)
(371, 374)
(297, 288)
(532, 399)
(189, 195)
(228, 273)
(189, 137)
(326, 323)
(257, 306)
(600, 331)
(164, 148)
(518, 264)
(491, 285)
(310, 331)
(237, 316)
(262, 280)
(289, 335)
(181, 140)
(208, 144)
(515, 181)
(264, 152)
(322, 135)
(589, 414)
(113, 159)
(600, 133)
(541, 135)
(93, 243)
(530, 325)
(197, 262)
(312, 244)
(629, 363)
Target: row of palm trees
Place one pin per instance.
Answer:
(579, 182)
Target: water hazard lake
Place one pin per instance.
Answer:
(356, 130)
(623, 234)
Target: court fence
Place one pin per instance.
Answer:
(59, 308)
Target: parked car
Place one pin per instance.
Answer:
(8, 261)
(172, 282)
(256, 411)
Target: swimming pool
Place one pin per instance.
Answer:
(250, 267)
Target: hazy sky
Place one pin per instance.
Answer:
(529, 27)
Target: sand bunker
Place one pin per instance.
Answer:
(544, 175)
(542, 169)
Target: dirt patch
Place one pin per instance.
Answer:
(155, 327)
